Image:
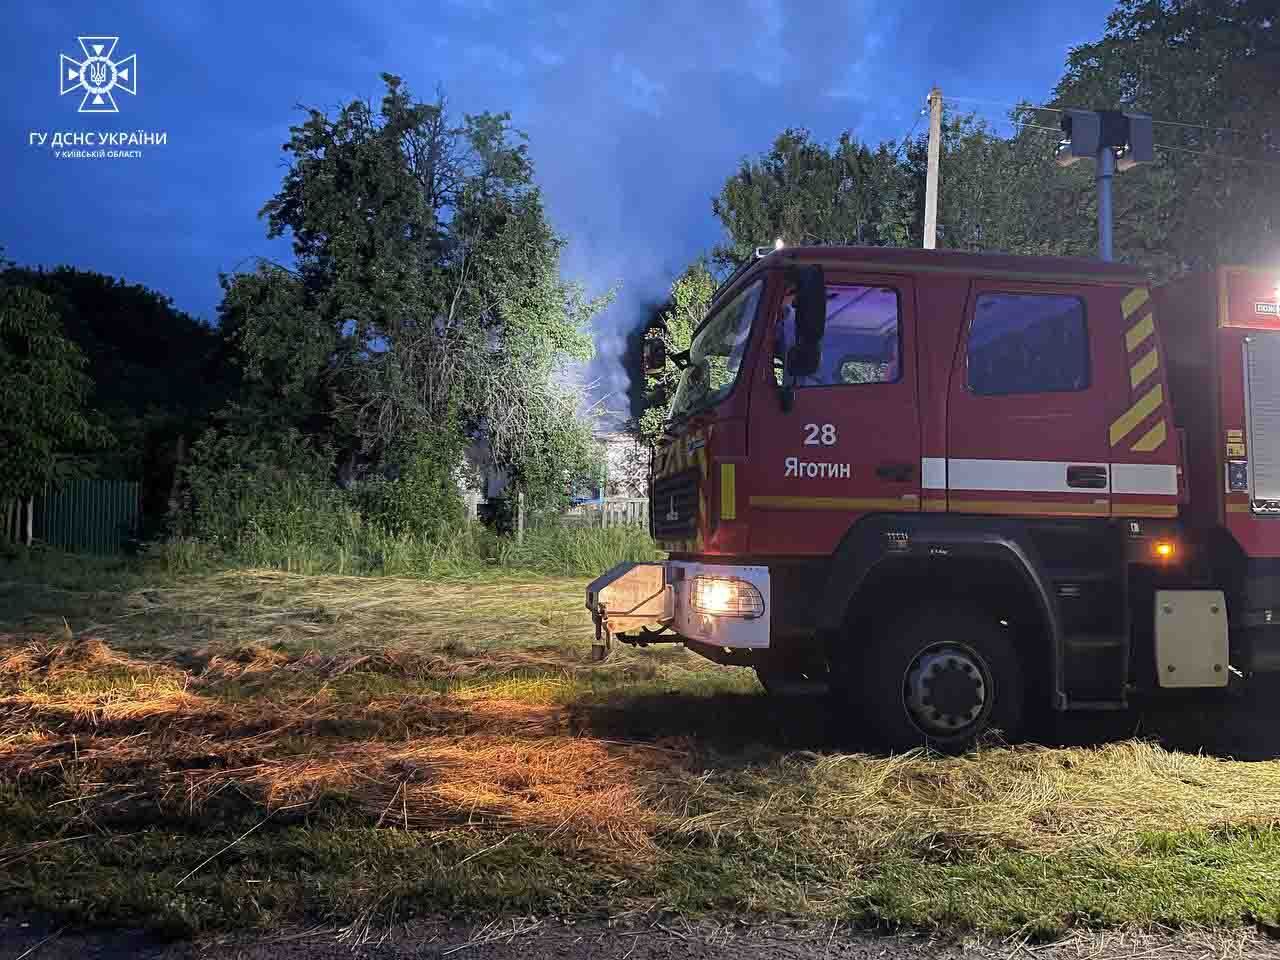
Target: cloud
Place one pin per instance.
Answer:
(636, 114)
(644, 110)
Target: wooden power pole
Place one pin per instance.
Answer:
(931, 179)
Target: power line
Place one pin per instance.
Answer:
(907, 139)
(1202, 126)
(1218, 156)
(1168, 123)
(1027, 125)
(1000, 103)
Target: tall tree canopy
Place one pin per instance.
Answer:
(156, 373)
(44, 418)
(426, 296)
(807, 192)
(1213, 196)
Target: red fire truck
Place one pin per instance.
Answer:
(956, 487)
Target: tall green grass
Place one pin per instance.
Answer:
(290, 516)
(566, 549)
(363, 549)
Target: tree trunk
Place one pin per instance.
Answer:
(179, 458)
(31, 509)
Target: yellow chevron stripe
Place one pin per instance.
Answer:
(1139, 332)
(1133, 300)
(1129, 420)
(1151, 440)
(728, 493)
(1144, 368)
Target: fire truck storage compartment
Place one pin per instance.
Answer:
(1262, 418)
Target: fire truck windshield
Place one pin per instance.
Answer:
(715, 355)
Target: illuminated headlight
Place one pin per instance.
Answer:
(726, 597)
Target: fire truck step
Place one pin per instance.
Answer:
(1095, 667)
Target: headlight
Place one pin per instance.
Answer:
(726, 597)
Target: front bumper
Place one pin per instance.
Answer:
(634, 599)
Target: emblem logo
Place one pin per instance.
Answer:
(97, 74)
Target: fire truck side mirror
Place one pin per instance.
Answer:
(655, 356)
(803, 360)
(811, 320)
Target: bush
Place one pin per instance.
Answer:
(275, 504)
(245, 494)
(423, 498)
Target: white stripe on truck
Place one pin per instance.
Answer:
(1044, 476)
(1153, 478)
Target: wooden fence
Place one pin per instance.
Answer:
(612, 512)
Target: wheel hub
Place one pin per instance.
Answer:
(946, 689)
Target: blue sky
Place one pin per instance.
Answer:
(636, 112)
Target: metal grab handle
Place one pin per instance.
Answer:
(1090, 478)
(897, 472)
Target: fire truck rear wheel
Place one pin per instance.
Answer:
(942, 681)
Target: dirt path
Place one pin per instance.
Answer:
(530, 940)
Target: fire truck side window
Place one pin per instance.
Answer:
(1028, 343)
(861, 343)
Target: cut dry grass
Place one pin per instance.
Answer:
(340, 746)
(1027, 799)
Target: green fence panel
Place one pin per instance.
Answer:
(90, 516)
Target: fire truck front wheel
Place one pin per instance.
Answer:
(943, 680)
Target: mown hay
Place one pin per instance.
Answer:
(498, 754)
(1030, 799)
(113, 730)
(251, 662)
(352, 614)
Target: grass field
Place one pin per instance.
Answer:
(246, 748)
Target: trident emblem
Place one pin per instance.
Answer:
(98, 74)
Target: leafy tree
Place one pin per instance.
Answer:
(807, 192)
(1214, 195)
(685, 308)
(426, 296)
(1003, 194)
(44, 420)
(156, 372)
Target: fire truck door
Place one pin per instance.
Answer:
(1028, 402)
(850, 444)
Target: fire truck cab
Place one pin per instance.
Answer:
(953, 487)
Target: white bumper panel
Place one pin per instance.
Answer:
(720, 631)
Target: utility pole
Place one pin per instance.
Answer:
(931, 178)
(1115, 142)
(1105, 172)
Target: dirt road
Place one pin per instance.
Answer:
(646, 940)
